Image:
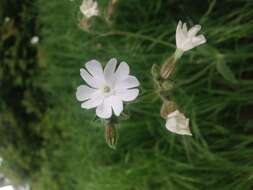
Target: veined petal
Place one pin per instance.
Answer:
(109, 70)
(84, 92)
(127, 94)
(90, 80)
(194, 30)
(95, 69)
(95, 100)
(122, 71)
(104, 111)
(129, 82)
(117, 104)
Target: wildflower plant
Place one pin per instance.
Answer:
(186, 40)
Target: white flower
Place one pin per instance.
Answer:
(108, 88)
(187, 40)
(89, 8)
(177, 123)
(35, 40)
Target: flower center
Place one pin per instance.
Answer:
(106, 89)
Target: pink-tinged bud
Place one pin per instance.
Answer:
(167, 108)
(111, 135)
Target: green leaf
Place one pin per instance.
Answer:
(225, 71)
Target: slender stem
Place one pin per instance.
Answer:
(134, 35)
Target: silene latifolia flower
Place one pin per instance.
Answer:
(185, 40)
(188, 39)
(176, 122)
(89, 8)
(107, 88)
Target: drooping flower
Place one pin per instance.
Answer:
(107, 88)
(176, 122)
(89, 8)
(187, 40)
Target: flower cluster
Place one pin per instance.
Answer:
(186, 40)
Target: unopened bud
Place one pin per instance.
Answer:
(167, 108)
(167, 85)
(84, 24)
(155, 71)
(114, 1)
(168, 67)
(111, 9)
(111, 134)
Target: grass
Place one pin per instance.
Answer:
(214, 89)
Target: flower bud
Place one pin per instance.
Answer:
(111, 8)
(85, 24)
(167, 85)
(167, 108)
(168, 67)
(111, 134)
(155, 71)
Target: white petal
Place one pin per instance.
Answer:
(178, 123)
(129, 82)
(110, 103)
(173, 114)
(104, 111)
(179, 34)
(96, 99)
(184, 29)
(84, 92)
(127, 94)
(90, 80)
(109, 70)
(199, 40)
(117, 105)
(194, 30)
(179, 27)
(95, 69)
(122, 71)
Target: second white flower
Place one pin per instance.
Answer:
(187, 40)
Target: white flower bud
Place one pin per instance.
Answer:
(176, 122)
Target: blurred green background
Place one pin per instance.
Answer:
(48, 141)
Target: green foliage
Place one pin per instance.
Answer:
(214, 89)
